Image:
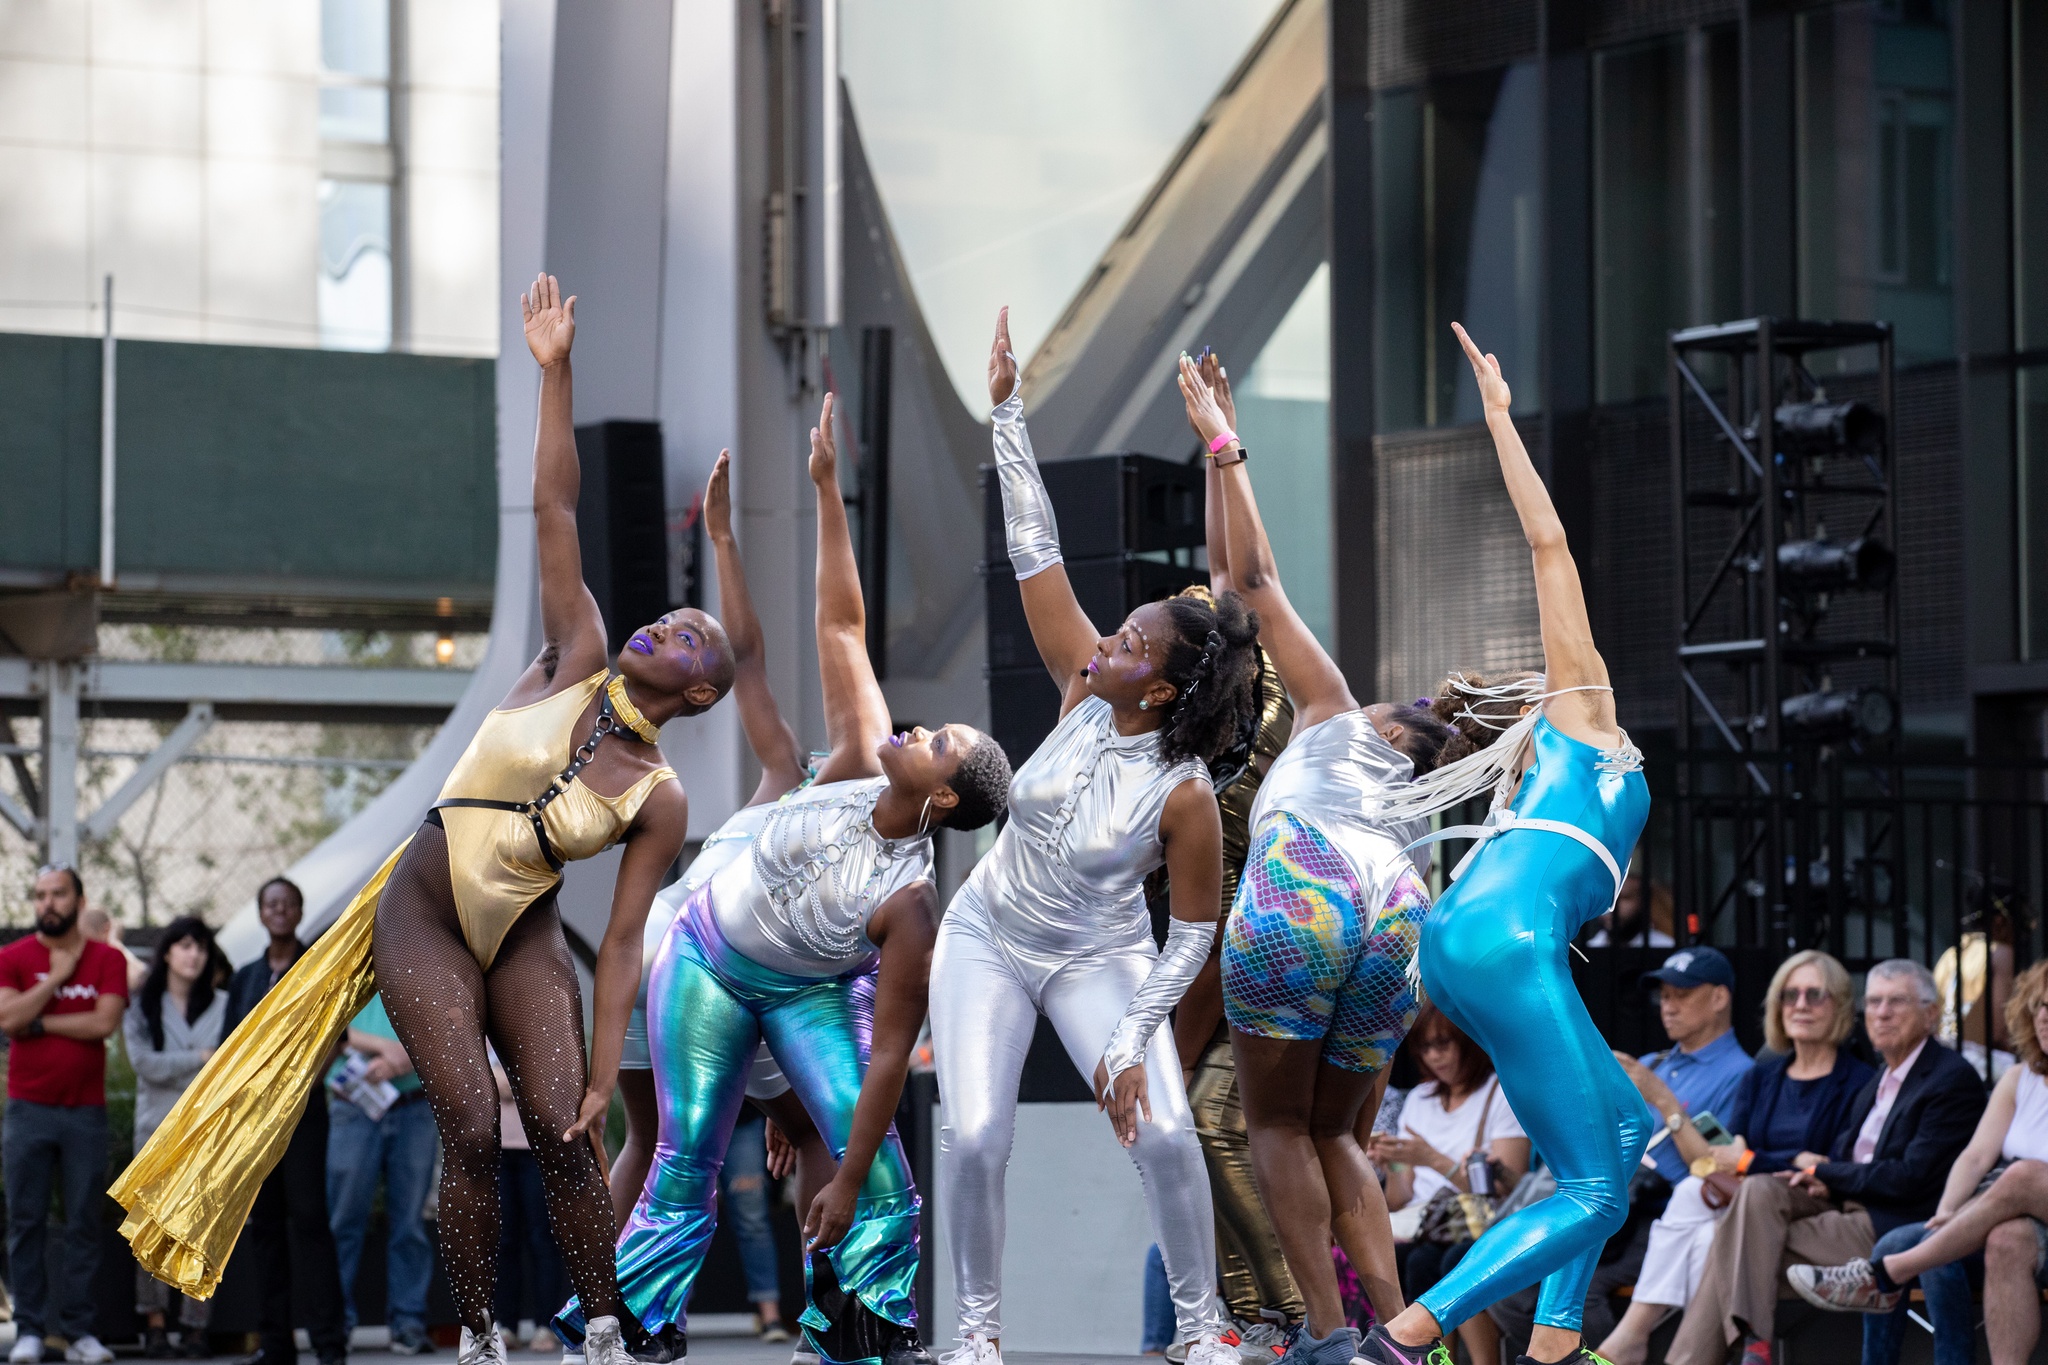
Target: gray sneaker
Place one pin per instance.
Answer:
(1335, 1349)
(1848, 1288)
(1261, 1343)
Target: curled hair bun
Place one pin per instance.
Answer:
(1471, 704)
(1212, 661)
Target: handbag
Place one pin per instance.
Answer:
(1453, 1217)
(1717, 1191)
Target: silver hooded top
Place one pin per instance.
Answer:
(817, 873)
(1333, 775)
(1067, 874)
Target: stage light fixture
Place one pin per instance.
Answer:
(1827, 717)
(1818, 427)
(1824, 565)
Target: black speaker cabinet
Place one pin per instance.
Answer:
(1024, 704)
(622, 522)
(1108, 505)
(1108, 590)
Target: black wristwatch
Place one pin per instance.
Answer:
(35, 1027)
(1243, 453)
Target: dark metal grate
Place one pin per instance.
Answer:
(1412, 40)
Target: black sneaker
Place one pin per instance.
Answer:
(1582, 1356)
(410, 1340)
(906, 1349)
(156, 1344)
(193, 1345)
(1378, 1348)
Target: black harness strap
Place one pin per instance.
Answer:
(536, 809)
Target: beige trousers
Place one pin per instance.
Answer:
(1769, 1226)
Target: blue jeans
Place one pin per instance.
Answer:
(397, 1149)
(743, 1191)
(1949, 1306)
(1160, 1326)
(64, 1147)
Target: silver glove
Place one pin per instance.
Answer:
(1187, 948)
(1033, 535)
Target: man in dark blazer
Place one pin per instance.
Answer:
(1885, 1167)
(288, 1232)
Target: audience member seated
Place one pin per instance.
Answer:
(1886, 1168)
(1794, 1099)
(1455, 1112)
(1996, 1199)
(1695, 991)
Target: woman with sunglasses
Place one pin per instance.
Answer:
(1794, 1099)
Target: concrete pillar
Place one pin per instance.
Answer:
(60, 761)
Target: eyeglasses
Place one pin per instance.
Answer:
(1813, 996)
(47, 868)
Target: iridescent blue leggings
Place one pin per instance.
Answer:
(707, 1009)
(1494, 960)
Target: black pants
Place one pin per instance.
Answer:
(289, 1235)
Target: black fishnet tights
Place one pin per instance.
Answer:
(442, 1004)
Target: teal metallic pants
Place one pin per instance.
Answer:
(707, 1009)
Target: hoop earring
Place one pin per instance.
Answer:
(921, 825)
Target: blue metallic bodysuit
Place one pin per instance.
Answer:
(1494, 958)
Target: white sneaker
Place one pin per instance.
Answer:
(1261, 1343)
(976, 1349)
(28, 1349)
(1208, 1349)
(488, 1349)
(603, 1344)
(87, 1350)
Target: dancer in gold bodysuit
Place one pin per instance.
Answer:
(459, 932)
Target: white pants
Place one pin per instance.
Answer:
(1679, 1242)
(984, 1009)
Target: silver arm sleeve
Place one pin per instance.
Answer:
(1033, 535)
(1187, 948)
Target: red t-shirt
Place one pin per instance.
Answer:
(49, 1069)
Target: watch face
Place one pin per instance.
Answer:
(1674, 1121)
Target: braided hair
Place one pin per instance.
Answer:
(1212, 660)
(1465, 703)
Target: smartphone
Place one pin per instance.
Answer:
(1711, 1129)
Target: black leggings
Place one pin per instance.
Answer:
(442, 1006)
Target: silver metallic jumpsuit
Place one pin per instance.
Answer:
(1053, 921)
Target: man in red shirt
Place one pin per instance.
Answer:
(61, 998)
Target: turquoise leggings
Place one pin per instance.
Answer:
(708, 1007)
(1497, 965)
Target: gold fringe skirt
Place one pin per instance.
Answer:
(190, 1189)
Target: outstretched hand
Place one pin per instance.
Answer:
(824, 450)
(718, 499)
(1210, 365)
(1002, 362)
(550, 320)
(1493, 388)
(1205, 413)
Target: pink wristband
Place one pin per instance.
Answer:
(1223, 439)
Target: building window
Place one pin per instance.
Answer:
(2030, 315)
(355, 265)
(358, 276)
(1283, 407)
(1667, 220)
(1875, 108)
(1459, 232)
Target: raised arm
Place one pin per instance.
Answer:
(1062, 631)
(768, 734)
(856, 713)
(1214, 537)
(1311, 676)
(572, 631)
(1569, 658)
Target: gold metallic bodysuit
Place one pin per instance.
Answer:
(189, 1191)
(494, 859)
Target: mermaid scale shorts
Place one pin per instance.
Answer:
(1301, 958)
